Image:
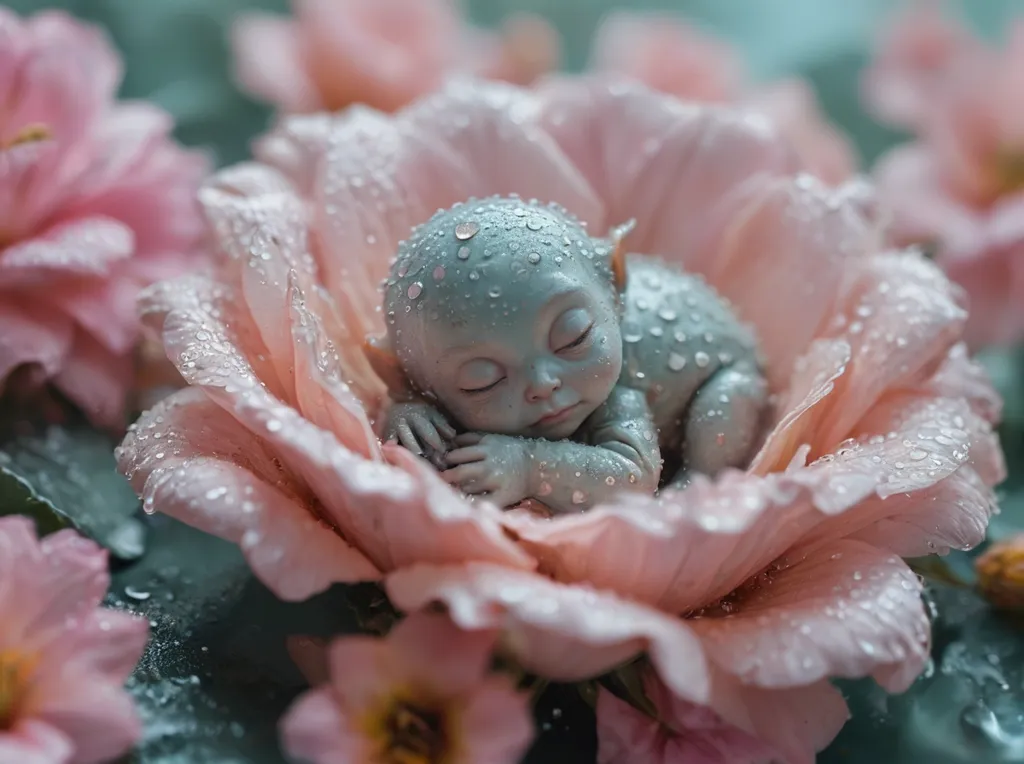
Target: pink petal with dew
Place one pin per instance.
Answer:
(565, 633)
(962, 377)
(14, 47)
(686, 549)
(96, 380)
(900, 317)
(89, 248)
(847, 610)
(666, 163)
(108, 641)
(315, 729)
(417, 518)
(793, 107)
(666, 54)
(191, 460)
(268, 62)
(32, 334)
(31, 741)
(23, 169)
(783, 226)
(105, 309)
(680, 551)
(383, 177)
(296, 146)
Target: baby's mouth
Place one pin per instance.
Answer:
(558, 416)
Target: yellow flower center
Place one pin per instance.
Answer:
(29, 134)
(411, 732)
(15, 672)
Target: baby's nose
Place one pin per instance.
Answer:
(543, 384)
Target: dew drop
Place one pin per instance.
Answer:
(676, 362)
(465, 231)
(439, 273)
(415, 290)
(463, 253)
(578, 497)
(494, 292)
(533, 258)
(534, 224)
(701, 358)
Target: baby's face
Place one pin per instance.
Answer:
(518, 332)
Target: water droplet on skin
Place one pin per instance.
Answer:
(494, 292)
(465, 231)
(534, 224)
(680, 336)
(438, 273)
(609, 480)
(631, 332)
(676, 362)
(415, 290)
(533, 258)
(656, 331)
(463, 253)
(474, 276)
(667, 314)
(702, 359)
(578, 497)
(544, 489)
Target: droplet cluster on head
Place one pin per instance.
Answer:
(478, 253)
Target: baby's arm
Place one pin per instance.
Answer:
(620, 453)
(419, 427)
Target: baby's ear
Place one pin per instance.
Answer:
(384, 362)
(617, 258)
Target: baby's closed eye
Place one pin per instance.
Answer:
(480, 376)
(571, 330)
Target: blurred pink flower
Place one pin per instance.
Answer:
(63, 658)
(689, 734)
(915, 56)
(420, 694)
(669, 55)
(381, 53)
(748, 591)
(97, 202)
(959, 186)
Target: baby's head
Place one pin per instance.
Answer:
(506, 313)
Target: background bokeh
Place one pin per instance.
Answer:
(176, 55)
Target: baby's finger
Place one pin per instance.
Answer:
(407, 439)
(468, 439)
(426, 431)
(446, 430)
(464, 473)
(465, 455)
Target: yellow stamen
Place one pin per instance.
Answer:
(15, 671)
(407, 731)
(1009, 172)
(30, 134)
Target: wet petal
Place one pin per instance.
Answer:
(565, 633)
(847, 610)
(32, 334)
(268, 61)
(96, 380)
(87, 247)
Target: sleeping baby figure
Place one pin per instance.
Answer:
(529, 360)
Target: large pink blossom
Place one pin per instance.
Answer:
(382, 53)
(959, 186)
(748, 591)
(671, 56)
(63, 658)
(420, 694)
(97, 201)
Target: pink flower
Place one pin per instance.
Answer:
(97, 202)
(63, 658)
(958, 187)
(670, 56)
(382, 53)
(689, 734)
(748, 592)
(916, 54)
(421, 694)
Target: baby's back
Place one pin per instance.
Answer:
(676, 332)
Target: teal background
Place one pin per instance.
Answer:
(216, 676)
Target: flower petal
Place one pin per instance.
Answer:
(97, 380)
(209, 480)
(565, 633)
(32, 334)
(666, 163)
(497, 723)
(846, 610)
(31, 741)
(86, 247)
(314, 729)
(296, 147)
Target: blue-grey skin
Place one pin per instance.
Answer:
(530, 374)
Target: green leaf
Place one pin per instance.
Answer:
(64, 476)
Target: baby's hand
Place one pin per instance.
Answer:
(419, 427)
(495, 467)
